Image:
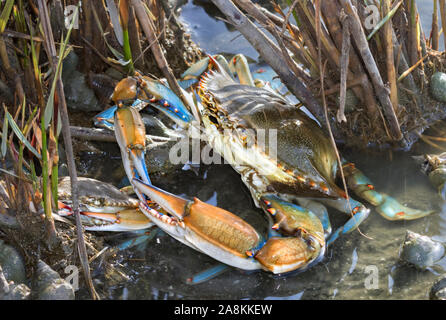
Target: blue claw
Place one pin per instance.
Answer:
(208, 274)
(350, 225)
(165, 100)
(391, 209)
(142, 238)
(186, 84)
(105, 119)
(359, 211)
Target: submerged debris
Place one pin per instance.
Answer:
(438, 290)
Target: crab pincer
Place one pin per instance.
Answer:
(229, 239)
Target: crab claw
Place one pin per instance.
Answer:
(164, 99)
(239, 65)
(110, 219)
(391, 209)
(125, 90)
(125, 220)
(280, 255)
(105, 119)
(293, 220)
(386, 205)
(206, 228)
(307, 244)
(131, 137)
(195, 71)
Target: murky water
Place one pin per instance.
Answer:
(160, 270)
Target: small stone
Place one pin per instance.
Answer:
(438, 290)
(421, 251)
(438, 86)
(59, 290)
(12, 263)
(18, 292)
(50, 286)
(78, 95)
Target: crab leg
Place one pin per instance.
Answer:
(105, 118)
(229, 239)
(358, 211)
(119, 220)
(239, 65)
(130, 135)
(192, 75)
(164, 99)
(206, 228)
(208, 274)
(386, 205)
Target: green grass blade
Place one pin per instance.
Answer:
(4, 137)
(21, 137)
(6, 12)
(49, 109)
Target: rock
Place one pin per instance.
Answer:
(421, 251)
(12, 264)
(438, 290)
(18, 292)
(78, 95)
(59, 290)
(438, 86)
(12, 291)
(50, 286)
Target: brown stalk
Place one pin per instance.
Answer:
(330, 50)
(369, 61)
(345, 58)
(52, 55)
(390, 58)
(135, 41)
(299, 44)
(435, 37)
(270, 53)
(443, 17)
(412, 32)
(87, 33)
(334, 55)
(253, 10)
(330, 11)
(149, 30)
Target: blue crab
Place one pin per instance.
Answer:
(290, 186)
(103, 207)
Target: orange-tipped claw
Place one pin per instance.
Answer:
(206, 228)
(171, 203)
(125, 220)
(281, 255)
(131, 137)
